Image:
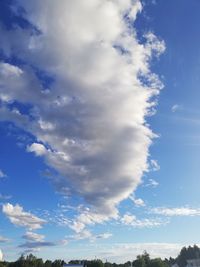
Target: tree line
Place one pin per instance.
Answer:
(144, 260)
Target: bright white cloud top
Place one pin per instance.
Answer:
(89, 123)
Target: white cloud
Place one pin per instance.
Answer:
(19, 217)
(87, 217)
(131, 220)
(175, 108)
(151, 183)
(38, 149)
(137, 201)
(92, 117)
(154, 165)
(181, 211)
(30, 236)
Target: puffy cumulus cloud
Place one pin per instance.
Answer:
(131, 220)
(181, 211)
(38, 149)
(86, 98)
(19, 217)
(30, 236)
(87, 217)
(137, 201)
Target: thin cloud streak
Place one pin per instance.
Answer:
(181, 211)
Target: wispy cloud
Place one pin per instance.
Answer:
(131, 220)
(181, 211)
(176, 107)
(5, 197)
(151, 183)
(19, 217)
(86, 234)
(154, 166)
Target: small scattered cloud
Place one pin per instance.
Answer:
(154, 166)
(86, 235)
(137, 201)
(86, 218)
(19, 217)
(181, 211)
(176, 108)
(151, 183)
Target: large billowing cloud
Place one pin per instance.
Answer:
(87, 87)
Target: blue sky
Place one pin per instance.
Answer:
(99, 123)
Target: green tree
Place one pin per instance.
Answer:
(2, 264)
(157, 263)
(47, 263)
(95, 263)
(142, 260)
(57, 263)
